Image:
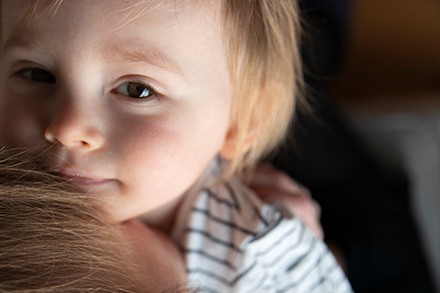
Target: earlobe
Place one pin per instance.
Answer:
(234, 143)
(228, 149)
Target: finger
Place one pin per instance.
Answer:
(266, 193)
(270, 177)
(263, 175)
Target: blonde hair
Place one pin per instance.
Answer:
(56, 239)
(261, 39)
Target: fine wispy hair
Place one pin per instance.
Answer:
(54, 238)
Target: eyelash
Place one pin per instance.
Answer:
(49, 78)
(137, 86)
(45, 76)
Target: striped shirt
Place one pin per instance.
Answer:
(232, 242)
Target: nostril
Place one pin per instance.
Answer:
(84, 143)
(69, 143)
(73, 135)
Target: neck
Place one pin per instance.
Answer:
(163, 217)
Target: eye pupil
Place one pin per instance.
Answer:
(38, 75)
(137, 90)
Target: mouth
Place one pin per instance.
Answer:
(79, 178)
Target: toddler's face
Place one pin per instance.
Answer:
(130, 99)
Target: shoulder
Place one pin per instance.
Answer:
(233, 242)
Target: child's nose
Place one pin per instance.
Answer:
(75, 128)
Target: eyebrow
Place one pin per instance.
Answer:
(139, 54)
(115, 53)
(17, 42)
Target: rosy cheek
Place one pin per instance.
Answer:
(148, 135)
(21, 120)
(20, 130)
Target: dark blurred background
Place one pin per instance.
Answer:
(371, 154)
(392, 47)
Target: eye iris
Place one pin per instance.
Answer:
(137, 90)
(41, 75)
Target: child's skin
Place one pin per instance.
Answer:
(155, 254)
(132, 98)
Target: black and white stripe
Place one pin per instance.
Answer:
(232, 242)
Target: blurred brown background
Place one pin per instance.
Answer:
(392, 48)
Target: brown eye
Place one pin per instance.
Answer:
(37, 75)
(135, 90)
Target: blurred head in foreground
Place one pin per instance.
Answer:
(54, 238)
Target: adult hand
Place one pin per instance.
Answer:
(271, 184)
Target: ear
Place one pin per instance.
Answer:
(232, 143)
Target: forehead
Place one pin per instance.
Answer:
(129, 23)
(107, 16)
(26, 12)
